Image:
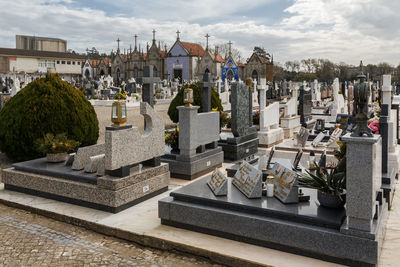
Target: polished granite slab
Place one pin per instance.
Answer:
(310, 212)
(59, 170)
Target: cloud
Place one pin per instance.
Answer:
(339, 30)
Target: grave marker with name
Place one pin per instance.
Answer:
(248, 180)
(218, 183)
(285, 184)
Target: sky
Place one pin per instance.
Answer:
(339, 30)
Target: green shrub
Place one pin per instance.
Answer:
(178, 101)
(46, 105)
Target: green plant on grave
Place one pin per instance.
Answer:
(172, 138)
(46, 105)
(178, 101)
(56, 144)
(331, 181)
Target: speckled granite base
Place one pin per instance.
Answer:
(195, 166)
(109, 193)
(239, 147)
(304, 228)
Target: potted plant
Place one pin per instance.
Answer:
(56, 147)
(330, 183)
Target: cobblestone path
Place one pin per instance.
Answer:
(28, 239)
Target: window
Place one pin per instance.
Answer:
(58, 61)
(63, 62)
(79, 63)
(68, 62)
(47, 64)
(73, 62)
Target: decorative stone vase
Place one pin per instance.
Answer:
(331, 201)
(56, 157)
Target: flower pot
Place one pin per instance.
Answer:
(56, 157)
(331, 201)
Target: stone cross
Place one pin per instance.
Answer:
(148, 82)
(207, 41)
(118, 40)
(206, 92)
(230, 47)
(154, 35)
(262, 88)
(177, 34)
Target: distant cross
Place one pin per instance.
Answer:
(177, 34)
(154, 34)
(207, 40)
(118, 40)
(135, 36)
(230, 47)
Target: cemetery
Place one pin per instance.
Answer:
(307, 169)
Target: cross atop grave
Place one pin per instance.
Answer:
(207, 36)
(206, 92)
(230, 48)
(154, 35)
(118, 40)
(135, 36)
(177, 34)
(148, 81)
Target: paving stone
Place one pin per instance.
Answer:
(27, 239)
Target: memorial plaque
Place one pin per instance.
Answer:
(318, 139)
(302, 136)
(248, 180)
(334, 137)
(297, 159)
(218, 183)
(285, 184)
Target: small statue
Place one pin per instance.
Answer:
(360, 107)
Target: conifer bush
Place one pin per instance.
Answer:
(173, 113)
(46, 105)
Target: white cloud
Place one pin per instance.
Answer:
(339, 30)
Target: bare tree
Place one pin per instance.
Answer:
(223, 50)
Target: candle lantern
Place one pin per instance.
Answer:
(118, 113)
(188, 97)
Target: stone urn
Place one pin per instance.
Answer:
(56, 157)
(331, 201)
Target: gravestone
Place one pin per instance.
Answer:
(318, 139)
(358, 230)
(302, 136)
(270, 133)
(290, 122)
(245, 139)
(248, 180)
(103, 176)
(332, 142)
(198, 148)
(148, 82)
(206, 92)
(218, 183)
(386, 130)
(285, 184)
(305, 106)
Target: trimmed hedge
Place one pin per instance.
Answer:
(46, 105)
(178, 101)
